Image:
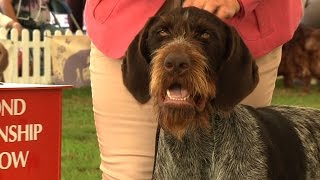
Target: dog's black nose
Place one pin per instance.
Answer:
(177, 62)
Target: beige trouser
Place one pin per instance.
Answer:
(268, 69)
(126, 129)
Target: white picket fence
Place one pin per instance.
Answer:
(30, 61)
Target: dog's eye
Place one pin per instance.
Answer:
(205, 35)
(163, 33)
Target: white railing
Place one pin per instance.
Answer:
(30, 61)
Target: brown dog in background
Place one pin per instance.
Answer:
(3, 61)
(301, 58)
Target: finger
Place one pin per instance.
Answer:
(212, 6)
(196, 3)
(224, 13)
(187, 3)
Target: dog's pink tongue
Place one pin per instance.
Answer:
(178, 92)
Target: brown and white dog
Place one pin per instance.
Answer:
(301, 58)
(3, 61)
(197, 70)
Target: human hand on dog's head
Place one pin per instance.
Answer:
(224, 9)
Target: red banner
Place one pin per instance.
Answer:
(30, 132)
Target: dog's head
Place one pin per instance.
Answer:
(197, 63)
(312, 44)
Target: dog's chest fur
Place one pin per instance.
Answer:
(245, 146)
(219, 154)
(194, 150)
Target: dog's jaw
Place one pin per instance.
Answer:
(180, 108)
(179, 97)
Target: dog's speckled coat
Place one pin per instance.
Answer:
(203, 131)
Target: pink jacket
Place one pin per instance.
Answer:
(263, 24)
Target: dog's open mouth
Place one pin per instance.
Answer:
(177, 95)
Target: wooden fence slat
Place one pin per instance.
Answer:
(47, 58)
(13, 58)
(36, 64)
(25, 48)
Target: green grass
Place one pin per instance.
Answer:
(296, 96)
(80, 152)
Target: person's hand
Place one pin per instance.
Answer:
(15, 25)
(224, 9)
(18, 27)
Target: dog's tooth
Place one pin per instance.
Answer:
(168, 94)
(185, 98)
(176, 98)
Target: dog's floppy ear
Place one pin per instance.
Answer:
(135, 67)
(237, 75)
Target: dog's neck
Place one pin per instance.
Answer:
(194, 148)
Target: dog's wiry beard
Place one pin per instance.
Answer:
(198, 78)
(178, 121)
